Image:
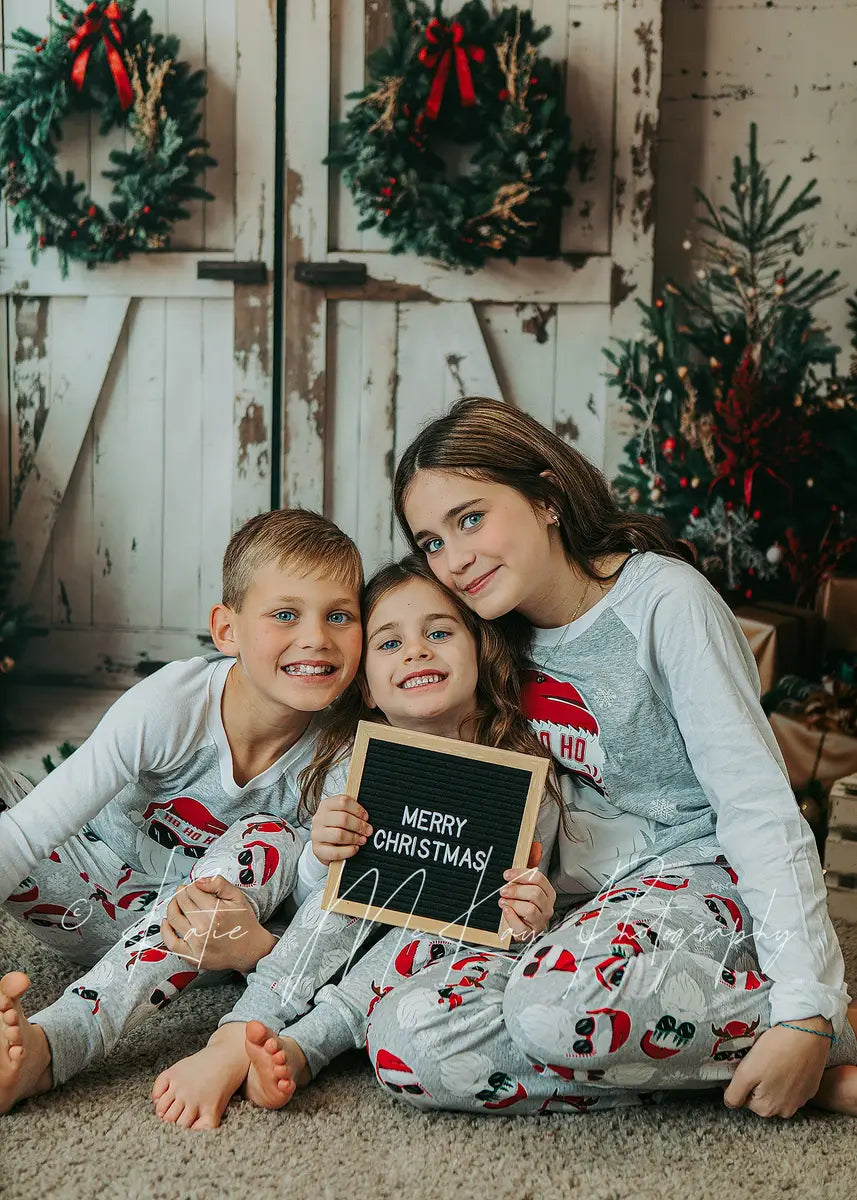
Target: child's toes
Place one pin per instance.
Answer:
(188, 1115)
(160, 1085)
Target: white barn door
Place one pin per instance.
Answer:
(366, 366)
(137, 431)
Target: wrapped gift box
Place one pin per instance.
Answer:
(840, 856)
(812, 634)
(776, 641)
(812, 753)
(836, 602)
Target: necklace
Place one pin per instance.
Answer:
(555, 648)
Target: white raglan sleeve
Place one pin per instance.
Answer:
(312, 874)
(700, 664)
(150, 725)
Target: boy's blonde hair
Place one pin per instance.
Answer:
(291, 537)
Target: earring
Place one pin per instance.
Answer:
(554, 518)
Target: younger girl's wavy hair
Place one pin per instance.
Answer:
(498, 718)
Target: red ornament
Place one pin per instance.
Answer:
(503, 94)
(729, 506)
(534, 79)
(732, 481)
(74, 233)
(696, 511)
(684, 481)
(659, 303)
(641, 461)
(146, 209)
(92, 210)
(748, 594)
(757, 513)
(669, 445)
(43, 241)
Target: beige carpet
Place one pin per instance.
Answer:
(97, 1138)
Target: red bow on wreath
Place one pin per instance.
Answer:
(86, 37)
(440, 60)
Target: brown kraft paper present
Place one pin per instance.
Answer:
(836, 601)
(801, 745)
(775, 639)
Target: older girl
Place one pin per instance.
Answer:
(706, 955)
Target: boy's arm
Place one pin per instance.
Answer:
(146, 727)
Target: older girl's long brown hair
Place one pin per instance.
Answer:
(488, 439)
(497, 721)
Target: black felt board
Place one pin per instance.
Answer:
(492, 797)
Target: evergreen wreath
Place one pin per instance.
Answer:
(474, 78)
(109, 60)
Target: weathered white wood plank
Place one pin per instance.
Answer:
(255, 94)
(77, 386)
(347, 54)
(377, 27)
(308, 92)
(130, 422)
(107, 656)
(345, 382)
(70, 550)
(469, 369)
(252, 409)
(638, 85)
(221, 37)
(21, 14)
(405, 277)
(157, 274)
(217, 450)
(186, 19)
(184, 402)
(521, 341)
(377, 423)
(581, 395)
(590, 101)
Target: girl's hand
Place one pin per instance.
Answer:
(782, 1070)
(211, 924)
(528, 902)
(339, 828)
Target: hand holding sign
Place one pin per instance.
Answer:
(528, 899)
(339, 829)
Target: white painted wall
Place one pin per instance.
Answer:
(788, 65)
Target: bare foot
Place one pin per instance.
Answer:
(838, 1090)
(25, 1056)
(277, 1067)
(194, 1092)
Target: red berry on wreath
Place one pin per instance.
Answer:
(93, 210)
(748, 594)
(757, 513)
(729, 506)
(684, 481)
(696, 512)
(641, 461)
(659, 303)
(146, 209)
(669, 445)
(503, 95)
(73, 233)
(43, 241)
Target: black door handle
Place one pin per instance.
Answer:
(331, 274)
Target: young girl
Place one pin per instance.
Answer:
(430, 665)
(707, 952)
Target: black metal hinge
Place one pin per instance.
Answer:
(232, 272)
(331, 274)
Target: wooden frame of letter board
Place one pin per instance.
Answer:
(537, 769)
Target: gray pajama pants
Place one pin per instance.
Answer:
(652, 988)
(90, 906)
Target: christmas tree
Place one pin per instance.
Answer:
(745, 438)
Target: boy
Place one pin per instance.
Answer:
(193, 772)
